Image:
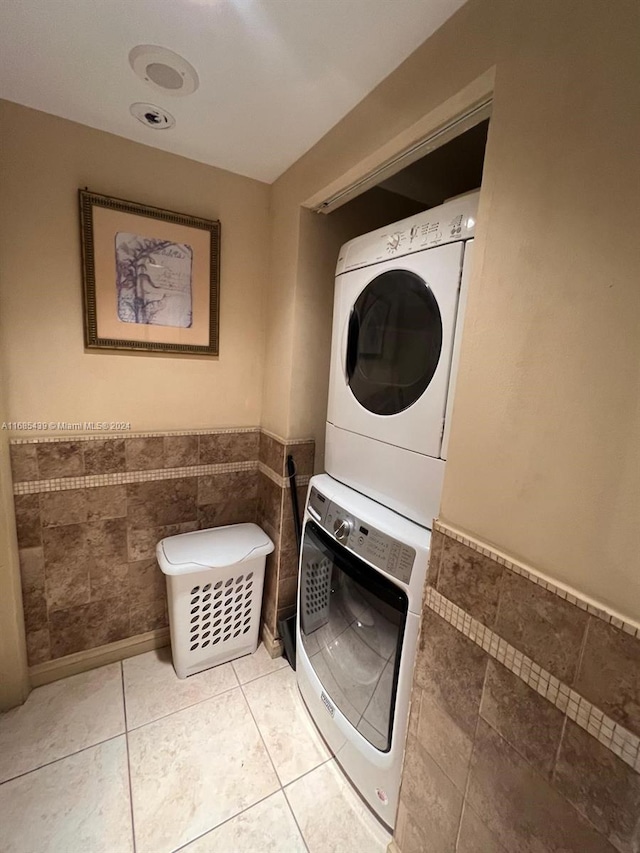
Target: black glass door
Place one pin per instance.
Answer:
(352, 623)
(394, 342)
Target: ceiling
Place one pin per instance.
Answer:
(275, 75)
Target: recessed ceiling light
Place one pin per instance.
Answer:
(164, 70)
(152, 116)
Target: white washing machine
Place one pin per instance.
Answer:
(362, 572)
(399, 300)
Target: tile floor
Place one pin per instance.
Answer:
(130, 758)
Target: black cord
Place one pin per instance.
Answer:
(297, 526)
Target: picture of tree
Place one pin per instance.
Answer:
(153, 281)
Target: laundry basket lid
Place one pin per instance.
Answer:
(214, 548)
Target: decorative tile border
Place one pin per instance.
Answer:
(102, 436)
(526, 572)
(282, 482)
(61, 484)
(108, 436)
(609, 733)
(282, 440)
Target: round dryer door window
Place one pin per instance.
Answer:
(394, 342)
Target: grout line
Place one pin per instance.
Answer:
(556, 757)
(536, 771)
(185, 708)
(312, 770)
(295, 819)
(500, 601)
(262, 675)
(581, 653)
(225, 821)
(126, 735)
(264, 743)
(61, 758)
(467, 781)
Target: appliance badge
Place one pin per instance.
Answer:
(382, 796)
(327, 704)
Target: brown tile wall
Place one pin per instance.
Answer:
(490, 765)
(275, 515)
(87, 555)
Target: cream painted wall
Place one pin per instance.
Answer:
(545, 444)
(14, 685)
(544, 459)
(49, 376)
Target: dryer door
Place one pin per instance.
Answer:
(391, 351)
(394, 341)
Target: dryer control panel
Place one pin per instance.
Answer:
(451, 222)
(367, 542)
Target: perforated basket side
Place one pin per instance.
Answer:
(214, 615)
(220, 612)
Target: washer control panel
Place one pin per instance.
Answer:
(372, 545)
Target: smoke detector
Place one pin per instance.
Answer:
(164, 70)
(152, 116)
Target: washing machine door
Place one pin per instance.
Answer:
(352, 623)
(393, 334)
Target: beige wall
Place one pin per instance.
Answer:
(545, 453)
(13, 656)
(50, 377)
(545, 445)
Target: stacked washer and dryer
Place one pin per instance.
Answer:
(398, 314)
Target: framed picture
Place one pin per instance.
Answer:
(151, 277)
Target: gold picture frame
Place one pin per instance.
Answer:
(151, 277)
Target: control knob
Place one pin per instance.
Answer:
(393, 241)
(342, 529)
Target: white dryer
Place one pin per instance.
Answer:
(398, 304)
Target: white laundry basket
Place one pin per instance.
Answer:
(214, 585)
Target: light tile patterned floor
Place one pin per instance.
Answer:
(130, 759)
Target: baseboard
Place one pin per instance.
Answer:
(393, 847)
(273, 646)
(43, 673)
